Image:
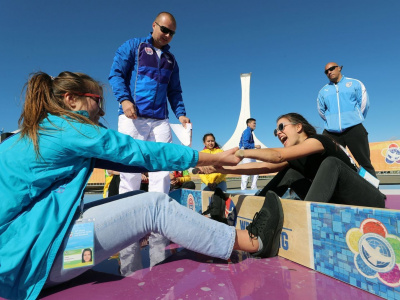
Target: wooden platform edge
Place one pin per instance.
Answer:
(357, 245)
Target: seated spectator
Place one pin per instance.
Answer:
(209, 182)
(181, 180)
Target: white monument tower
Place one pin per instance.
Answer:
(243, 116)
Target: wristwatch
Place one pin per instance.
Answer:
(240, 153)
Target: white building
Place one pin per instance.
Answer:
(243, 116)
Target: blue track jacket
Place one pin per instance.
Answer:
(40, 197)
(343, 105)
(139, 75)
(247, 140)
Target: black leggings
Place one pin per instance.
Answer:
(288, 178)
(356, 139)
(335, 182)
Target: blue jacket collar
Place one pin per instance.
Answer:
(83, 113)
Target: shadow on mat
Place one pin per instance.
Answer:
(89, 276)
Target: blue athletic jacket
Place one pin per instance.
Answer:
(247, 140)
(39, 198)
(343, 105)
(139, 75)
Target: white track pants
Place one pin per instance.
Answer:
(145, 130)
(245, 178)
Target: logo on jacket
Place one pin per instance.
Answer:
(374, 252)
(149, 51)
(168, 57)
(61, 189)
(349, 84)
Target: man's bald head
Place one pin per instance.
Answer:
(163, 15)
(330, 64)
(333, 72)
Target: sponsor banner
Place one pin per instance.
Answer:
(189, 198)
(385, 156)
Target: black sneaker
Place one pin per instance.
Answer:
(216, 209)
(267, 224)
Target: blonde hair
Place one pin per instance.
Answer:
(45, 95)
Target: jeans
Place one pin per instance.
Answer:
(124, 219)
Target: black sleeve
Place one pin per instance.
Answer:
(333, 149)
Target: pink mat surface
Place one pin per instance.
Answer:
(187, 275)
(393, 201)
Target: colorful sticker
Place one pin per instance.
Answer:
(377, 253)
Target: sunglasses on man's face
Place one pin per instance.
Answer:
(330, 69)
(165, 30)
(281, 127)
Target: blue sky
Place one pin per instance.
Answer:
(284, 44)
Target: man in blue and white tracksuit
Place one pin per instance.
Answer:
(145, 77)
(343, 105)
(247, 142)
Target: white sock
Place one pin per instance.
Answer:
(260, 244)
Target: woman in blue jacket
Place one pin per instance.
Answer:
(45, 168)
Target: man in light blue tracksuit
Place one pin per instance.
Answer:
(343, 104)
(145, 77)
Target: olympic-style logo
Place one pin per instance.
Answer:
(391, 154)
(377, 253)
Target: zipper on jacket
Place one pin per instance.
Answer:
(159, 76)
(136, 80)
(158, 81)
(338, 103)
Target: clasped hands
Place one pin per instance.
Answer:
(223, 159)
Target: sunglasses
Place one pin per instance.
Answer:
(330, 69)
(281, 127)
(166, 30)
(99, 99)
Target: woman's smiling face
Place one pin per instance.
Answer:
(287, 132)
(209, 142)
